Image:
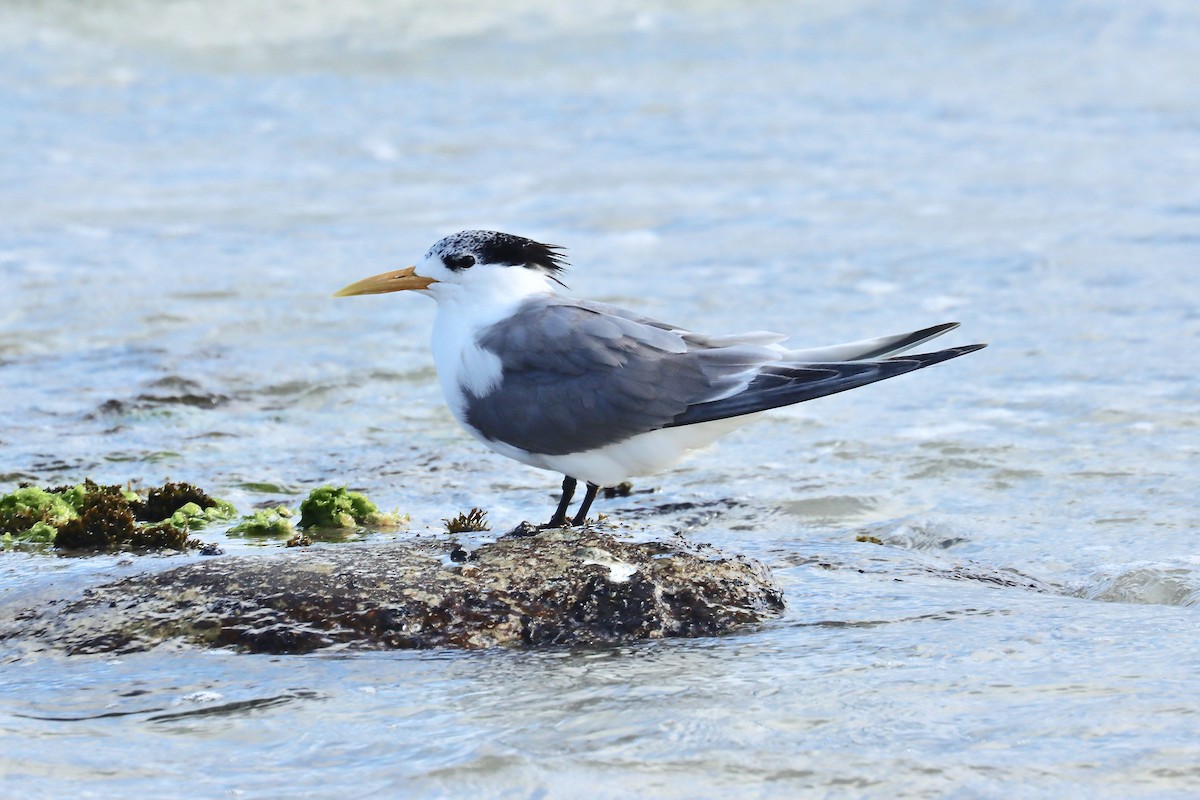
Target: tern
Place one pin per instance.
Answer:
(595, 392)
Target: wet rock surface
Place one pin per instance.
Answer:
(559, 587)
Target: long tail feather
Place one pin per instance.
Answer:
(870, 348)
(788, 383)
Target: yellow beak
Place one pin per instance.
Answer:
(394, 281)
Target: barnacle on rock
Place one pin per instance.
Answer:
(581, 587)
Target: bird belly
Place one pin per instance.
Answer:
(643, 454)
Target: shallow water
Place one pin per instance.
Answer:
(186, 183)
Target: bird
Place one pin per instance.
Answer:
(598, 393)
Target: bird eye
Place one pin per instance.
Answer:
(459, 262)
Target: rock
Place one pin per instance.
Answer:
(560, 587)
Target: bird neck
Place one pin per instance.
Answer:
(486, 296)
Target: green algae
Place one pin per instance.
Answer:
(338, 507)
(26, 513)
(92, 516)
(41, 532)
(96, 517)
(266, 522)
(191, 516)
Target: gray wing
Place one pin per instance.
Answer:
(576, 377)
(850, 351)
(580, 375)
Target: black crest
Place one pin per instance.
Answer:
(494, 247)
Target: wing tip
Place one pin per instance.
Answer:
(938, 356)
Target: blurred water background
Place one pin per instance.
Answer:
(185, 183)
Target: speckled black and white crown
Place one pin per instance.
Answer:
(466, 248)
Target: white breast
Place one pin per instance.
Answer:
(461, 363)
(483, 298)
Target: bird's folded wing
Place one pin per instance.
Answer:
(575, 378)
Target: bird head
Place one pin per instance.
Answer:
(475, 262)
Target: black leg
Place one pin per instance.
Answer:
(560, 514)
(581, 516)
